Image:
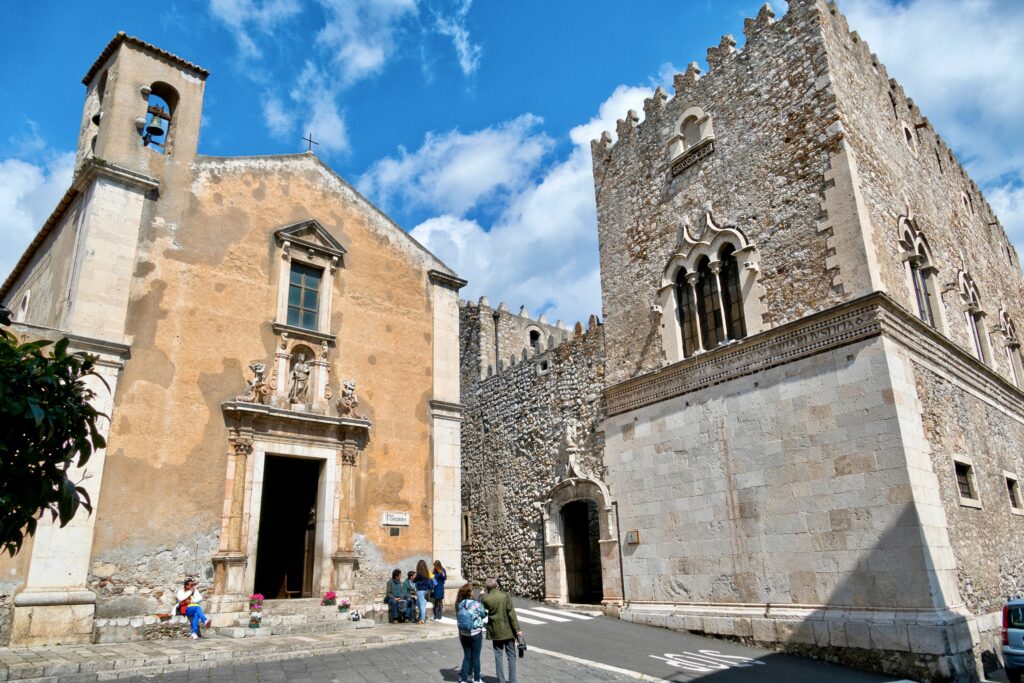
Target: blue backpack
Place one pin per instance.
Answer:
(467, 615)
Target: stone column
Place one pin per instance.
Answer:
(230, 561)
(344, 556)
(55, 606)
(692, 279)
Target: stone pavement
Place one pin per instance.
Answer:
(437, 660)
(80, 663)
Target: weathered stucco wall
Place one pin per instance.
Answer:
(921, 176)
(204, 295)
(771, 111)
(513, 450)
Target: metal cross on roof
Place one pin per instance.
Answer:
(310, 140)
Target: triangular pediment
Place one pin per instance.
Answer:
(310, 234)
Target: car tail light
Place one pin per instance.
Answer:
(1006, 624)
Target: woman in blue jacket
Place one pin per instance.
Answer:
(424, 584)
(440, 576)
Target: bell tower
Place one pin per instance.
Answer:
(142, 110)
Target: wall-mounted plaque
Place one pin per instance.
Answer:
(394, 519)
(633, 537)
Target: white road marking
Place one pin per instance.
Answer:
(540, 615)
(558, 613)
(448, 620)
(706, 661)
(527, 620)
(597, 665)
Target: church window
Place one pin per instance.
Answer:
(921, 272)
(303, 296)
(710, 303)
(967, 486)
(709, 311)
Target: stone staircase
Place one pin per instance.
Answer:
(288, 617)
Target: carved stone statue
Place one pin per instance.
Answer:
(256, 389)
(299, 390)
(571, 429)
(348, 402)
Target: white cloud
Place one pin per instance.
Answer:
(243, 17)
(279, 121)
(1008, 203)
(361, 35)
(28, 195)
(541, 250)
(960, 62)
(454, 27)
(454, 171)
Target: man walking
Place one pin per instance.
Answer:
(502, 629)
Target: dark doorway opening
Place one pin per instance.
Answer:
(287, 537)
(582, 551)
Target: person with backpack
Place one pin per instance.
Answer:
(469, 616)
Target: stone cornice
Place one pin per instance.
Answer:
(240, 409)
(438, 277)
(302, 333)
(446, 410)
(869, 316)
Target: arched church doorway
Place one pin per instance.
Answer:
(287, 533)
(582, 551)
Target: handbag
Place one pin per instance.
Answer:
(521, 644)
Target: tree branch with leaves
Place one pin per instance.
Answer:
(47, 429)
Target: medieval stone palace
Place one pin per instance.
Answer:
(798, 422)
(801, 422)
(282, 361)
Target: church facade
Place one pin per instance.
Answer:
(282, 362)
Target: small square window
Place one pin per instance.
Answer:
(1013, 490)
(395, 531)
(966, 485)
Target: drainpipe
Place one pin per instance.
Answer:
(622, 571)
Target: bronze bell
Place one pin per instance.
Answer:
(155, 127)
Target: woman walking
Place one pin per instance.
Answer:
(440, 576)
(424, 584)
(470, 617)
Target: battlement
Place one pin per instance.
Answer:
(504, 339)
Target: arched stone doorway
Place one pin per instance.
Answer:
(581, 546)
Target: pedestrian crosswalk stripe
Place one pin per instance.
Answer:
(540, 615)
(528, 620)
(568, 614)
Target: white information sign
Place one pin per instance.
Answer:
(394, 519)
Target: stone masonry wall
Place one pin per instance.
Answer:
(923, 176)
(771, 109)
(512, 445)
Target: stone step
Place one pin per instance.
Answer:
(327, 617)
(280, 629)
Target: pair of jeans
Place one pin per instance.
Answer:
(401, 607)
(438, 607)
(507, 648)
(194, 613)
(421, 600)
(471, 646)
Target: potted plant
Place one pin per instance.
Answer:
(330, 598)
(255, 610)
(343, 605)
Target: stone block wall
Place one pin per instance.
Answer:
(772, 111)
(906, 168)
(513, 450)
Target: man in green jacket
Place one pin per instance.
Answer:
(502, 629)
(397, 597)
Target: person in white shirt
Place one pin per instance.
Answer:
(189, 598)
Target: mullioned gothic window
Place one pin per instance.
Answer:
(921, 272)
(1013, 355)
(974, 315)
(707, 297)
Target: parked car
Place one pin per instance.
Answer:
(1013, 639)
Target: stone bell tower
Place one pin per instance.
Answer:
(142, 108)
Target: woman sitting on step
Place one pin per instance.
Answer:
(189, 598)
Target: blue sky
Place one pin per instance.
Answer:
(469, 122)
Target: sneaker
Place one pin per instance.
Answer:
(193, 636)
(208, 624)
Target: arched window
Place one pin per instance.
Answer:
(975, 317)
(535, 340)
(687, 307)
(709, 304)
(694, 132)
(160, 106)
(690, 130)
(1013, 355)
(732, 295)
(921, 271)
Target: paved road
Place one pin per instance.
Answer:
(575, 650)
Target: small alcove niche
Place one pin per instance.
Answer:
(693, 140)
(157, 131)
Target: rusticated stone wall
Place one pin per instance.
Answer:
(513, 450)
